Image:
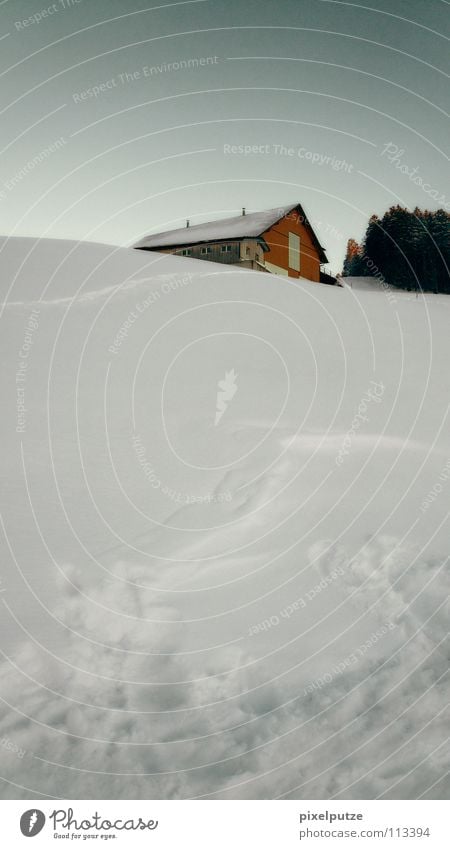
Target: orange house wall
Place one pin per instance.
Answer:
(277, 238)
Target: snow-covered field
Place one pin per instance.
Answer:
(225, 530)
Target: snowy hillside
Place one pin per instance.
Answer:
(374, 284)
(225, 531)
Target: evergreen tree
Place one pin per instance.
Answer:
(353, 264)
(410, 250)
(373, 245)
(396, 268)
(439, 249)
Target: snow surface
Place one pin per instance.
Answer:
(251, 225)
(249, 609)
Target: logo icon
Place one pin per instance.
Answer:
(32, 822)
(227, 389)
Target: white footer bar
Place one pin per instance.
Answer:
(224, 824)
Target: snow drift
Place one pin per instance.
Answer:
(243, 605)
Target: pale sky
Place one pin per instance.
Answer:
(206, 106)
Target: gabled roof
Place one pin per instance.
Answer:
(251, 226)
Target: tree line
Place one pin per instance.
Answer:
(409, 250)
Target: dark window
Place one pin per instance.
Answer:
(206, 250)
(225, 248)
(186, 252)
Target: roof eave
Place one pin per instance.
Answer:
(180, 246)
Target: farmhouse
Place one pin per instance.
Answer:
(279, 241)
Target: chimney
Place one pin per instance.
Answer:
(187, 222)
(243, 210)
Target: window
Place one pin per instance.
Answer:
(294, 251)
(206, 250)
(247, 251)
(186, 252)
(225, 249)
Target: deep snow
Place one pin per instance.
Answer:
(249, 605)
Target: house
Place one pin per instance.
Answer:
(279, 241)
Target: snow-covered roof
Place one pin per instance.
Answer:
(247, 226)
(238, 227)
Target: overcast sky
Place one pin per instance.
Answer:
(319, 87)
